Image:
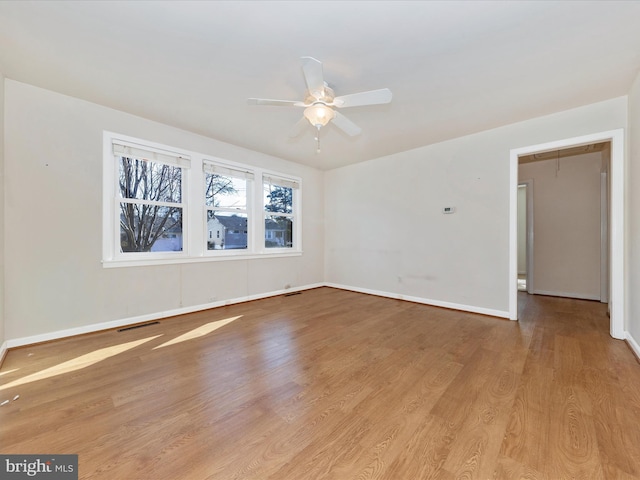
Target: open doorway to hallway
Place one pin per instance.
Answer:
(570, 200)
(614, 251)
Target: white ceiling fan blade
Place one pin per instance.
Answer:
(346, 125)
(372, 97)
(276, 103)
(298, 128)
(314, 77)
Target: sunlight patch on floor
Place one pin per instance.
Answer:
(78, 363)
(199, 332)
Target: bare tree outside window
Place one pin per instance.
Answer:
(150, 206)
(218, 189)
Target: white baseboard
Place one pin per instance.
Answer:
(634, 345)
(579, 296)
(55, 335)
(425, 301)
(96, 327)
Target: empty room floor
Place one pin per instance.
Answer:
(331, 384)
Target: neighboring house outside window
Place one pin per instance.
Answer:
(215, 228)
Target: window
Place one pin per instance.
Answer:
(226, 190)
(150, 200)
(279, 207)
(163, 205)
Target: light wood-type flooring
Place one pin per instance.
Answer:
(330, 384)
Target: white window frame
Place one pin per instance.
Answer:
(236, 171)
(194, 223)
(111, 215)
(295, 184)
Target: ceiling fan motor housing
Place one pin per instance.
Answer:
(326, 96)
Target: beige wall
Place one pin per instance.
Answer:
(53, 223)
(566, 211)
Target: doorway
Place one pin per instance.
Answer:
(615, 227)
(571, 204)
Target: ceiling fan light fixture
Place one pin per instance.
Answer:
(319, 114)
(320, 99)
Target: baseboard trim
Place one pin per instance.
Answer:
(98, 327)
(425, 301)
(579, 296)
(635, 347)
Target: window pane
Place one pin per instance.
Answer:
(226, 231)
(278, 199)
(224, 191)
(150, 228)
(145, 180)
(278, 232)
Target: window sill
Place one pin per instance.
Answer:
(139, 262)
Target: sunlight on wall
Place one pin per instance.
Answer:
(199, 332)
(78, 363)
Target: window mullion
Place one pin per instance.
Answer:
(194, 209)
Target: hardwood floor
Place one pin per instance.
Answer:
(330, 384)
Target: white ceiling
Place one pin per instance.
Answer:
(454, 67)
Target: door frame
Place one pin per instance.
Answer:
(529, 229)
(616, 220)
(604, 235)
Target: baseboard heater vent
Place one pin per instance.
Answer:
(291, 294)
(137, 326)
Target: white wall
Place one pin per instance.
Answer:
(53, 223)
(53, 156)
(2, 179)
(633, 217)
(566, 209)
(460, 260)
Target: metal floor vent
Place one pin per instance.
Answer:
(137, 326)
(291, 293)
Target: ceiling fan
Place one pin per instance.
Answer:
(320, 102)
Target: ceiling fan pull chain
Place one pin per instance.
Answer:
(318, 140)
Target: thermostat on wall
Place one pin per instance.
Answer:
(448, 209)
